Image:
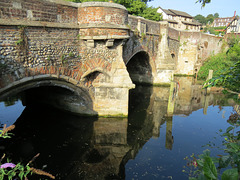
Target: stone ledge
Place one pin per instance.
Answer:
(18, 22)
(104, 37)
(143, 19)
(95, 25)
(62, 2)
(155, 34)
(114, 85)
(102, 4)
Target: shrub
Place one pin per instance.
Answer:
(219, 63)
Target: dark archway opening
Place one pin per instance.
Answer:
(140, 70)
(60, 98)
(55, 93)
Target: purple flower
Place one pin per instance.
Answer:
(7, 165)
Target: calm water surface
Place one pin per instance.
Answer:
(149, 144)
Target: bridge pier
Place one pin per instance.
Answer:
(81, 44)
(165, 64)
(111, 98)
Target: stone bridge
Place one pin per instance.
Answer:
(84, 57)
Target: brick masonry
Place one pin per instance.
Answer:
(89, 45)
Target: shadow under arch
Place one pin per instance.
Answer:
(97, 75)
(139, 68)
(53, 91)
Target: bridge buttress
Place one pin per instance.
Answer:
(111, 98)
(164, 62)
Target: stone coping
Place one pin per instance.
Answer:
(114, 85)
(154, 34)
(101, 4)
(62, 2)
(103, 25)
(103, 37)
(20, 22)
(143, 19)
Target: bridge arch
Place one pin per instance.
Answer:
(140, 68)
(59, 92)
(94, 76)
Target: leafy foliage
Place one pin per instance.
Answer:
(206, 20)
(15, 171)
(219, 63)
(19, 170)
(208, 168)
(139, 8)
(229, 78)
(4, 133)
(203, 2)
(200, 18)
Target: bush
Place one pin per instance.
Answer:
(219, 63)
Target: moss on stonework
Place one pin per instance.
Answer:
(115, 116)
(183, 75)
(161, 85)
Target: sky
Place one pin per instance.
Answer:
(225, 8)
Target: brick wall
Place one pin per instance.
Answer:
(152, 27)
(38, 10)
(194, 49)
(102, 15)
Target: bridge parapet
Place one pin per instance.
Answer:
(102, 21)
(42, 39)
(88, 45)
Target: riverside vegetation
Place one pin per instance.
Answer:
(9, 170)
(226, 67)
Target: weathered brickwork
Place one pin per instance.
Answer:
(102, 32)
(52, 51)
(31, 47)
(195, 48)
(102, 15)
(38, 10)
(145, 36)
(132, 22)
(91, 46)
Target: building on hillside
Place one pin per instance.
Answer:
(179, 20)
(233, 26)
(222, 22)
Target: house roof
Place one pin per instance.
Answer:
(175, 12)
(168, 12)
(180, 13)
(171, 21)
(191, 23)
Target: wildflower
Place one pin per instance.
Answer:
(7, 165)
(194, 163)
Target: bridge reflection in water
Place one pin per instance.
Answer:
(73, 147)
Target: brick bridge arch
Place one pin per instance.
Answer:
(47, 89)
(140, 68)
(88, 45)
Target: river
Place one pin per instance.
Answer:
(149, 144)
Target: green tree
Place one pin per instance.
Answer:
(151, 13)
(216, 15)
(137, 7)
(210, 18)
(200, 18)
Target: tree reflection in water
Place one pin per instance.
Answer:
(73, 147)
